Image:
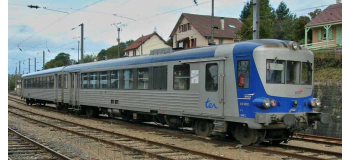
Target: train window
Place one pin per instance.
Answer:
(293, 72)
(306, 73)
(84, 80)
(93, 80)
(128, 79)
(211, 77)
(65, 81)
(40, 83)
(59, 83)
(44, 82)
(115, 79)
(142, 78)
(29, 82)
(47, 82)
(103, 80)
(37, 82)
(52, 82)
(160, 78)
(33, 82)
(243, 74)
(275, 71)
(182, 77)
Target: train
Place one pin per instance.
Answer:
(255, 91)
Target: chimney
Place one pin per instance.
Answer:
(222, 23)
(338, 1)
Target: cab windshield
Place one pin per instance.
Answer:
(288, 72)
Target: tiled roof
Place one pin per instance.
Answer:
(142, 40)
(203, 23)
(331, 14)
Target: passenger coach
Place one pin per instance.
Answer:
(258, 90)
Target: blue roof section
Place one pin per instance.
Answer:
(205, 52)
(46, 71)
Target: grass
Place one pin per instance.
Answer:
(328, 75)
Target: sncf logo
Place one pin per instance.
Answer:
(298, 91)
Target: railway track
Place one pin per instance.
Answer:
(22, 147)
(318, 139)
(131, 143)
(264, 149)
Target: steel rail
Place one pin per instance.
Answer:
(300, 135)
(230, 144)
(119, 134)
(52, 152)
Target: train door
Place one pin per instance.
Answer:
(242, 74)
(212, 88)
(73, 89)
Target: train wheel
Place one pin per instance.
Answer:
(203, 128)
(168, 122)
(27, 102)
(89, 112)
(245, 135)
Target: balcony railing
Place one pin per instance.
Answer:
(322, 45)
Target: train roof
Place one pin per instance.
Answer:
(196, 53)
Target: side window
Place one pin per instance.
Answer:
(306, 73)
(128, 79)
(103, 80)
(142, 78)
(93, 80)
(182, 77)
(211, 77)
(59, 84)
(48, 82)
(160, 75)
(33, 82)
(37, 82)
(293, 72)
(29, 86)
(65, 81)
(84, 80)
(115, 79)
(44, 82)
(40, 82)
(243, 73)
(52, 82)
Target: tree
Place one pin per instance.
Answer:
(88, 58)
(170, 41)
(282, 11)
(314, 13)
(246, 11)
(11, 82)
(62, 59)
(283, 23)
(102, 54)
(267, 15)
(299, 29)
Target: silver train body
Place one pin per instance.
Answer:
(223, 89)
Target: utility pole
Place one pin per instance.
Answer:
(28, 65)
(118, 40)
(211, 42)
(256, 19)
(19, 67)
(78, 51)
(35, 64)
(82, 41)
(43, 59)
(16, 79)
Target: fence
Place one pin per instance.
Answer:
(331, 99)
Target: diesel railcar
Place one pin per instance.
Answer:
(258, 90)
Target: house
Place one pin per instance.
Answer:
(145, 44)
(193, 30)
(326, 28)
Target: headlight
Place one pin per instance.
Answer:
(266, 103)
(295, 45)
(318, 102)
(273, 103)
(312, 103)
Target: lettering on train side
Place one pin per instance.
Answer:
(210, 105)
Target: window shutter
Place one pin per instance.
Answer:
(319, 35)
(330, 33)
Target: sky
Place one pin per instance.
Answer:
(50, 28)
